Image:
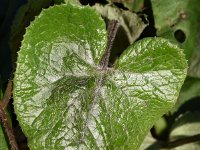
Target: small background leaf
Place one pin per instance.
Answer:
(186, 125)
(180, 24)
(194, 68)
(76, 2)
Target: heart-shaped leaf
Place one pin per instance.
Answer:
(63, 98)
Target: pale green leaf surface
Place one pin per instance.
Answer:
(63, 100)
(170, 16)
(76, 2)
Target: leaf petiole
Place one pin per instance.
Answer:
(112, 31)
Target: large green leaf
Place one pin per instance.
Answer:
(64, 100)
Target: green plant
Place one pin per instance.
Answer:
(75, 87)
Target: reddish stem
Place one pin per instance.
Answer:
(8, 94)
(4, 119)
(112, 31)
(8, 129)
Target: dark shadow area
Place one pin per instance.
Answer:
(92, 2)
(180, 35)
(150, 30)
(191, 105)
(120, 5)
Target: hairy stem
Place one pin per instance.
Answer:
(7, 95)
(112, 31)
(8, 129)
(3, 116)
